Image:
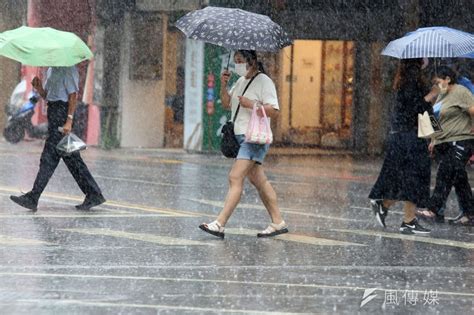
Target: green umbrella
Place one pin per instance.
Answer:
(43, 47)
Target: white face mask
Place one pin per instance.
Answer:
(241, 69)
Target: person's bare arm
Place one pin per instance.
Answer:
(432, 95)
(471, 111)
(269, 109)
(72, 102)
(225, 97)
(36, 83)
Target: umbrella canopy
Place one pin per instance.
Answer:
(43, 47)
(234, 29)
(432, 42)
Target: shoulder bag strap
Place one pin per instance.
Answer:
(238, 107)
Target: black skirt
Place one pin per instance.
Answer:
(406, 170)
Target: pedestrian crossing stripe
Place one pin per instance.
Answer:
(283, 210)
(73, 216)
(201, 280)
(117, 204)
(174, 309)
(151, 238)
(16, 241)
(297, 238)
(141, 181)
(414, 238)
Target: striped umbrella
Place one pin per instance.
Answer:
(432, 42)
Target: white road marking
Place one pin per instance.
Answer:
(214, 281)
(414, 238)
(283, 210)
(151, 238)
(295, 238)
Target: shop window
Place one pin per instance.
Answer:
(146, 55)
(316, 93)
(336, 84)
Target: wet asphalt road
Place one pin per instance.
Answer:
(142, 253)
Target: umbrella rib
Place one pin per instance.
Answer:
(432, 42)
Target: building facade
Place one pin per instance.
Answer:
(153, 88)
(12, 15)
(334, 87)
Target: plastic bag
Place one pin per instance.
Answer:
(70, 144)
(259, 130)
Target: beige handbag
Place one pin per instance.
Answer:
(427, 125)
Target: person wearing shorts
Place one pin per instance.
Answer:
(249, 161)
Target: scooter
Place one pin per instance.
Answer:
(19, 115)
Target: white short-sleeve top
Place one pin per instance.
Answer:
(261, 89)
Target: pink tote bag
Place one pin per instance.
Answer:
(259, 130)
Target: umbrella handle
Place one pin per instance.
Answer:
(228, 61)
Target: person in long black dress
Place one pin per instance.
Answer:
(406, 171)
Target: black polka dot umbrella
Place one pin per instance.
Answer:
(234, 29)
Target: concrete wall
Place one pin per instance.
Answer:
(141, 102)
(12, 15)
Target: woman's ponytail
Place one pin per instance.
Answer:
(260, 67)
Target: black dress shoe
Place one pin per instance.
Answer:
(90, 202)
(26, 201)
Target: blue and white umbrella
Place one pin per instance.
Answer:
(234, 29)
(432, 42)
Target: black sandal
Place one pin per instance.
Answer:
(218, 233)
(274, 230)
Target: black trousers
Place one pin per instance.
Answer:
(452, 158)
(57, 116)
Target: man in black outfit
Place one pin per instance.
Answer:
(60, 91)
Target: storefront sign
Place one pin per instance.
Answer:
(193, 97)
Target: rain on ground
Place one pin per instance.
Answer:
(142, 251)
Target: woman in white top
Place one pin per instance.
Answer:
(248, 163)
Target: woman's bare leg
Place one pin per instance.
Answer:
(388, 203)
(237, 175)
(409, 212)
(258, 178)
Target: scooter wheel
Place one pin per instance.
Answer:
(14, 133)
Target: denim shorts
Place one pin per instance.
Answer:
(251, 151)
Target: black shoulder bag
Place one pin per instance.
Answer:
(229, 144)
